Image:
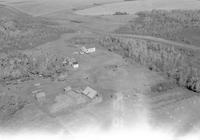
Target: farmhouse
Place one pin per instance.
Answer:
(91, 93)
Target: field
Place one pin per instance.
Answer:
(177, 25)
(133, 7)
(145, 67)
(22, 31)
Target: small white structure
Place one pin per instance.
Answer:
(91, 93)
(68, 88)
(75, 65)
(91, 50)
(41, 96)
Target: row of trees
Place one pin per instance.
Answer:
(178, 63)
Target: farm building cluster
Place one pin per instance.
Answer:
(67, 98)
(73, 62)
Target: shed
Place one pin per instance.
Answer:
(91, 93)
(75, 65)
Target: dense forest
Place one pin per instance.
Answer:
(176, 25)
(18, 65)
(175, 62)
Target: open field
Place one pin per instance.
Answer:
(42, 7)
(133, 7)
(136, 75)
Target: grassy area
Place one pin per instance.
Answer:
(177, 25)
(21, 31)
(175, 62)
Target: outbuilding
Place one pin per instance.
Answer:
(91, 93)
(91, 50)
(75, 65)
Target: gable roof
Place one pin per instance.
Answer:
(90, 92)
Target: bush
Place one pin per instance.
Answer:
(163, 86)
(120, 13)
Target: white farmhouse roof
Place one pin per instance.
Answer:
(91, 50)
(75, 64)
